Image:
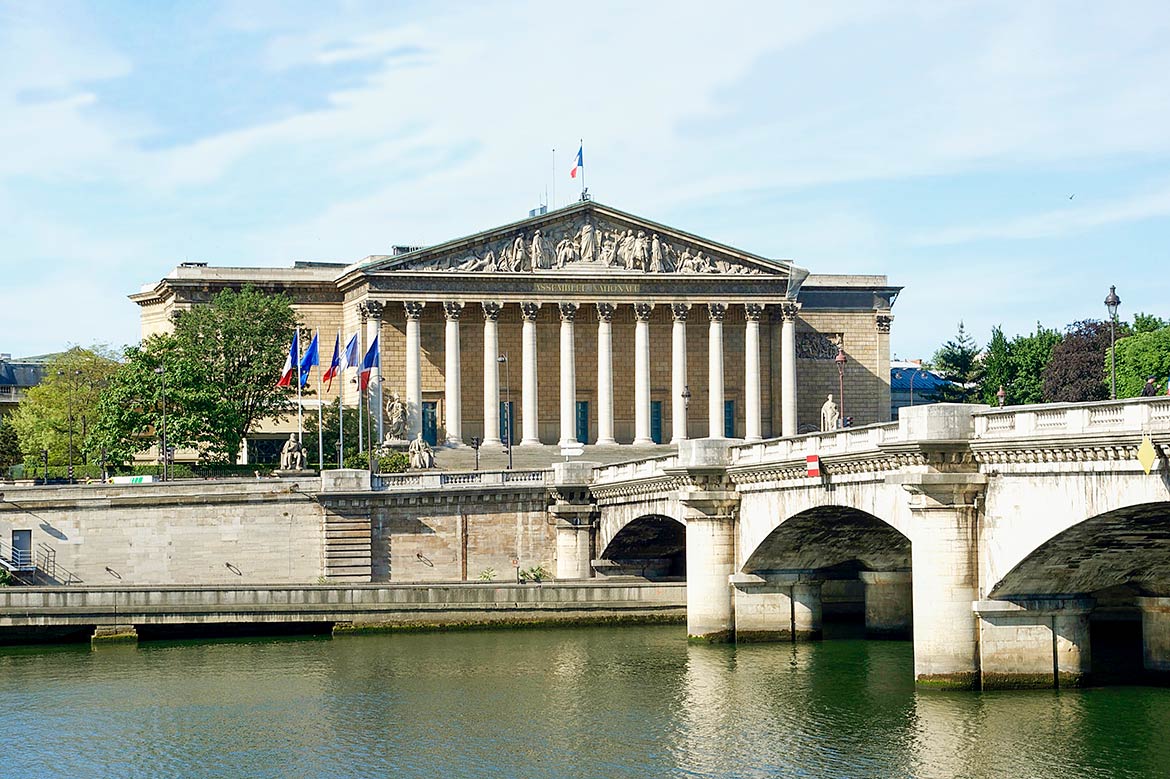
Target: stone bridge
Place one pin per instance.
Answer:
(1003, 537)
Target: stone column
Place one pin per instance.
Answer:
(453, 396)
(568, 376)
(529, 414)
(491, 375)
(710, 563)
(788, 312)
(751, 380)
(715, 370)
(678, 372)
(1156, 635)
(889, 603)
(574, 512)
(642, 313)
(605, 374)
(413, 369)
(944, 559)
(373, 312)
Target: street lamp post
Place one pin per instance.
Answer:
(162, 372)
(503, 359)
(840, 360)
(1111, 304)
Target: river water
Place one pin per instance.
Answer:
(621, 702)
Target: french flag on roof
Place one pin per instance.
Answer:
(290, 363)
(580, 162)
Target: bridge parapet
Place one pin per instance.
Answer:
(633, 470)
(438, 480)
(1134, 415)
(848, 441)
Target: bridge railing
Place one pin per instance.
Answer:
(1134, 414)
(635, 469)
(848, 440)
(408, 482)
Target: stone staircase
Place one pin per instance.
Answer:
(347, 548)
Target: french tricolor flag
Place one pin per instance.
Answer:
(290, 363)
(372, 361)
(334, 364)
(580, 162)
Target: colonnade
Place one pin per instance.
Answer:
(529, 434)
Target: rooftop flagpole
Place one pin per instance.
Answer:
(581, 162)
(553, 203)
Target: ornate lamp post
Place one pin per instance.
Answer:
(840, 360)
(1111, 304)
(161, 371)
(1001, 395)
(503, 360)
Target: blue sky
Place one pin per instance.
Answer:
(936, 142)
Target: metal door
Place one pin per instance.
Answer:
(656, 421)
(22, 549)
(430, 427)
(729, 419)
(583, 421)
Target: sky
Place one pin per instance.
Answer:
(1005, 162)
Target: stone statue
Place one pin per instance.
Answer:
(626, 250)
(518, 254)
(641, 252)
(421, 454)
(292, 456)
(539, 262)
(656, 262)
(395, 419)
(588, 240)
(566, 252)
(608, 252)
(829, 415)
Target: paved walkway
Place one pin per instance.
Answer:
(528, 458)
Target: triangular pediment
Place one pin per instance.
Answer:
(584, 239)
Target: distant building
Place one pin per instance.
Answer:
(16, 378)
(912, 385)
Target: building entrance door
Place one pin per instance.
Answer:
(729, 419)
(22, 550)
(656, 421)
(430, 427)
(582, 421)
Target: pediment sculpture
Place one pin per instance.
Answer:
(587, 242)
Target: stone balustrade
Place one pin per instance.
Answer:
(410, 482)
(1137, 415)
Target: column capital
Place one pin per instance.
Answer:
(491, 311)
(789, 311)
(453, 309)
(605, 311)
(370, 309)
(679, 311)
(753, 312)
(530, 311)
(568, 311)
(643, 311)
(883, 322)
(414, 309)
(717, 311)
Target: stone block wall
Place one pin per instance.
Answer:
(867, 370)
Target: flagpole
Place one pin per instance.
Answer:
(340, 416)
(300, 421)
(582, 152)
(553, 204)
(320, 403)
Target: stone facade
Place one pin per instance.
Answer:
(583, 257)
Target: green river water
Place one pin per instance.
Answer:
(620, 702)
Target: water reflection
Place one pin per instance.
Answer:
(626, 702)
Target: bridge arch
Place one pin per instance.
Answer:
(831, 536)
(652, 546)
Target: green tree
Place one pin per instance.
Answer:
(65, 401)
(1074, 373)
(221, 367)
(1146, 323)
(10, 453)
(1139, 356)
(1017, 365)
(958, 362)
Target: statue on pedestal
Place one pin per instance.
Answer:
(829, 415)
(395, 419)
(421, 454)
(293, 456)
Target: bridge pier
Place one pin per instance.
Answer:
(113, 634)
(710, 562)
(574, 513)
(889, 603)
(1156, 635)
(777, 606)
(944, 555)
(1033, 644)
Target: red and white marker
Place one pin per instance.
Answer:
(813, 463)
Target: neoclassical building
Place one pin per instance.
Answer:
(595, 325)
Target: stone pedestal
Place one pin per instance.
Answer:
(1034, 644)
(889, 604)
(1156, 635)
